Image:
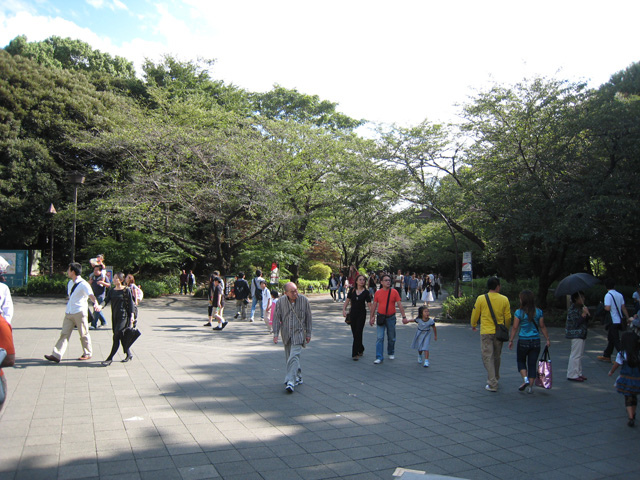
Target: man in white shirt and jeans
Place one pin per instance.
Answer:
(78, 290)
(613, 303)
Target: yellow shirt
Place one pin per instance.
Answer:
(481, 312)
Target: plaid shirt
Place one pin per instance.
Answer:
(294, 330)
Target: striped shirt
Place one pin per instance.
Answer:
(292, 320)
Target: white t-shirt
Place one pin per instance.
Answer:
(619, 301)
(620, 358)
(78, 301)
(6, 304)
(266, 298)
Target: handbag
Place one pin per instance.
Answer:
(347, 318)
(502, 332)
(381, 319)
(544, 378)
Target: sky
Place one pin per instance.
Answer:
(395, 61)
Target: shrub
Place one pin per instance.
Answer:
(304, 284)
(319, 271)
(43, 285)
(458, 308)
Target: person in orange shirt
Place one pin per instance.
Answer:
(7, 356)
(384, 303)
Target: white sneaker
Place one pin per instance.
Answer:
(392, 357)
(426, 363)
(419, 358)
(299, 381)
(289, 387)
(377, 361)
(251, 320)
(487, 387)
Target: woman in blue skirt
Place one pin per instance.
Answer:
(628, 383)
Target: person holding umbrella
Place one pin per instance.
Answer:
(576, 331)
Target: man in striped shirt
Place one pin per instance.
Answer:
(292, 318)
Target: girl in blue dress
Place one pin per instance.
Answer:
(422, 339)
(628, 383)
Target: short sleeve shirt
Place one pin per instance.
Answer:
(78, 300)
(381, 298)
(616, 308)
(358, 302)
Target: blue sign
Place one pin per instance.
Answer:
(18, 272)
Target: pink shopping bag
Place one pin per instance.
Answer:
(544, 378)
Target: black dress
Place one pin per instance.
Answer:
(122, 304)
(358, 318)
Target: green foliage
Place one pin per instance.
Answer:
(319, 271)
(316, 285)
(136, 252)
(284, 104)
(161, 286)
(70, 54)
(44, 285)
(458, 308)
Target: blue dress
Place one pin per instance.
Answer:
(423, 335)
(628, 383)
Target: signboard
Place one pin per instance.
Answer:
(18, 272)
(467, 270)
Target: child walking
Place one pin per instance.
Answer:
(274, 301)
(423, 334)
(266, 304)
(628, 383)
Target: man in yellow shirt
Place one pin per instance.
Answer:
(490, 347)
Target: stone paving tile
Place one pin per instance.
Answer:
(169, 414)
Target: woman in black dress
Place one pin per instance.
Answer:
(122, 314)
(358, 298)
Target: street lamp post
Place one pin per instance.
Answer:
(76, 179)
(51, 212)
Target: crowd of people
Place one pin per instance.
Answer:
(377, 297)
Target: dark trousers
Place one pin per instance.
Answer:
(117, 339)
(357, 327)
(613, 340)
(527, 356)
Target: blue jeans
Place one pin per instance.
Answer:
(414, 296)
(341, 293)
(98, 315)
(390, 328)
(254, 302)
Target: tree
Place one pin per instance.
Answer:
(71, 54)
(285, 104)
(44, 113)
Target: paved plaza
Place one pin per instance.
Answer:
(197, 404)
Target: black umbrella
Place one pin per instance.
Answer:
(574, 283)
(129, 335)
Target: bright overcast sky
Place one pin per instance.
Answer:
(394, 61)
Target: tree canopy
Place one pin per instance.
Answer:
(538, 179)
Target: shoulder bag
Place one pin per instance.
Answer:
(502, 332)
(623, 321)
